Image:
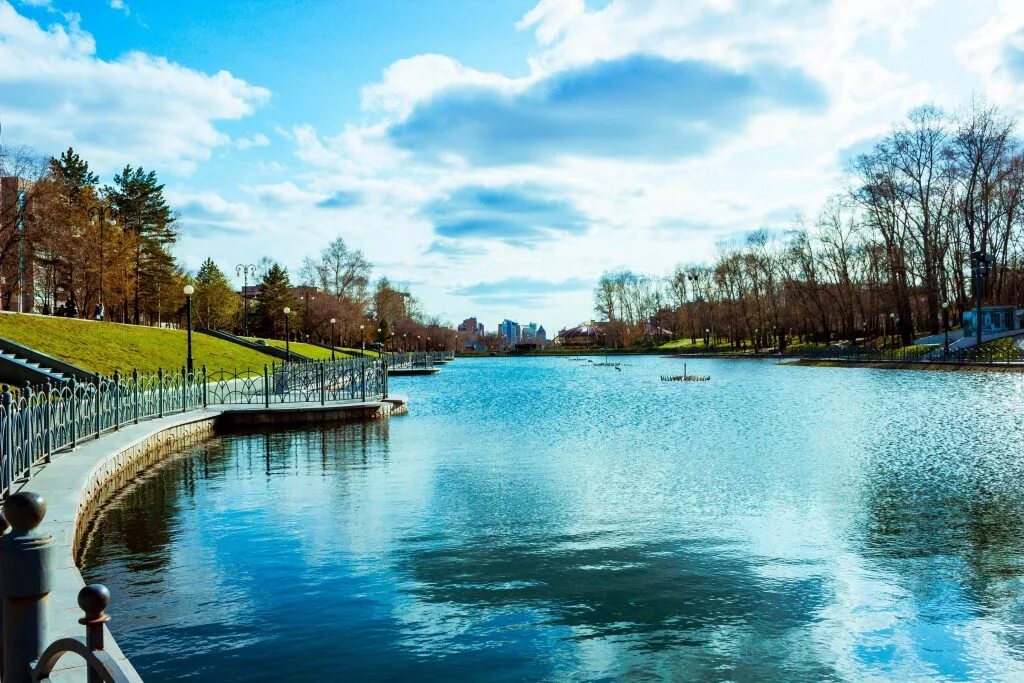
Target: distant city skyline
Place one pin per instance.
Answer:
(496, 156)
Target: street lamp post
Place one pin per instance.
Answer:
(306, 298)
(287, 335)
(332, 337)
(419, 343)
(244, 269)
(362, 339)
(945, 328)
(981, 268)
(102, 214)
(189, 290)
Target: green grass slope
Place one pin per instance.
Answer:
(311, 351)
(105, 347)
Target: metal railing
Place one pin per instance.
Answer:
(413, 360)
(37, 422)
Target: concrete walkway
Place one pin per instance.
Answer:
(77, 483)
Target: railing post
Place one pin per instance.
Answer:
(362, 368)
(204, 385)
(93, 599)
(96, 403)
(29, 428)
(160, 391)
(266, 386)
(135, 393)
(323, 383)
(73, 384)
(7, 442)
(184, 389)
(117, 400)
(48, 423)
(384, 369)
(25, 561)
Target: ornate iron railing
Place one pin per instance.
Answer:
(36, 422)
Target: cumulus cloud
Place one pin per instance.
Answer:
(341, 199)
(120, 6)
(520, 290)
(642, 106)
(57, 92)
(257, 140)
(520, 215)
(208, 214)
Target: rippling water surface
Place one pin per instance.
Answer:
(546, 519)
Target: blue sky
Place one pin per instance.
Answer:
(498, 155)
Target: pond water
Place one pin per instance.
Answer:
(542, 518)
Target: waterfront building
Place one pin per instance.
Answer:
(994, 319)
(587, 335)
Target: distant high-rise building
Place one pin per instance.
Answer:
(509, 331)
(470, 331)
(471, 328)
(542, 335)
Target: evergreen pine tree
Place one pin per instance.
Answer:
(215, 303)
(275, 294)
(72, 171)
(138, 199)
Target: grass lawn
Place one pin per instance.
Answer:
(680, 344)
(311, 351)
(105, 347)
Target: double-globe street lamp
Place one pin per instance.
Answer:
(189, 290)
(945, 328)
(287, 335)
(333, 321)
(243, 269)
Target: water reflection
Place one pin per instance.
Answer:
(773, 524)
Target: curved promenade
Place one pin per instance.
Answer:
(77, 483)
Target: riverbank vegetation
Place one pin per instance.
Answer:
(72, 247)
(874, 266)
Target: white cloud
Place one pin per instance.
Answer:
(121, 6)
(256, 140)
(138, 108)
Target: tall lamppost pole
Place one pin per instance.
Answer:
(362, 339)
(332, 337)
(892, 328)
(405, 348)
(419, 342)
(287, 335)
(243, 269)
(945, 328)
(189, 290)
(102, 214)
(981, 269)
(306, 298)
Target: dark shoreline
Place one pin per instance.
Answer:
(797, 361)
